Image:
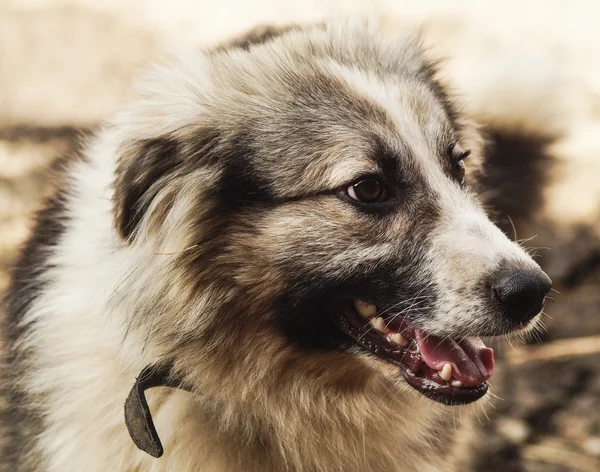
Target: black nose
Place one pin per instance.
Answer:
(522, 293)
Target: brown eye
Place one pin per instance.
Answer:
(367, 191)
(458, 161)
(459, 169)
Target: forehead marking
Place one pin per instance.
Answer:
(418, 120)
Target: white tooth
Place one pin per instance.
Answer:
(457, 383)
(446, 372)
(378, 324)
(398, 339)
(365, 309)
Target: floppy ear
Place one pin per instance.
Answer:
(143, 171)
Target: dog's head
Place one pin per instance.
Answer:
(302, 214)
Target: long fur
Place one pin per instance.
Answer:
(203, 226)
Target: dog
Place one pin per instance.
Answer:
(281, 242)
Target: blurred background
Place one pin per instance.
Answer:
(65, 65)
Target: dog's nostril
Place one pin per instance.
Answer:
(522, 293)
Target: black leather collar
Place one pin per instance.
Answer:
(137, 413)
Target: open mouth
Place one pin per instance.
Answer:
(449, 371)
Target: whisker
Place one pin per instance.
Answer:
(513, 226)
(413, 307)
(526, 240)
(495, 396)
(538, 247)
(403, 302)
(408, 300)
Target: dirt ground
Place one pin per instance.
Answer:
(66, 65)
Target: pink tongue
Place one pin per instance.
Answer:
(472, 362)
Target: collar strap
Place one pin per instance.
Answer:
(138, 418)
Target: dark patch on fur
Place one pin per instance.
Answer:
(388, 159)
(26, 284)
(240, 184)
(406, 180)
(309, 324)
(157, 162)
(517, 169)
(22, 420)
(138, 182)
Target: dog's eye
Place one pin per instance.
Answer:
(459, 170)
(367, 191)
(458, 161)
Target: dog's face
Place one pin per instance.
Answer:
(314, 195)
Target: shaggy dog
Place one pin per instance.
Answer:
(284, 233)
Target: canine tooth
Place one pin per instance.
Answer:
(457, 383)
(365, 309)
(378, 324)
(446, 372)
(398, 339)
